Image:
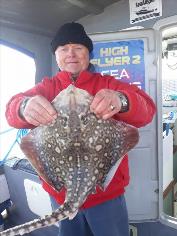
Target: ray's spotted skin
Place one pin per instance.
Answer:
(77, 152)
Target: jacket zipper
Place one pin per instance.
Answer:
(73, 81)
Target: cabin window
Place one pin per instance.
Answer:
(169, 119)
(17, 74)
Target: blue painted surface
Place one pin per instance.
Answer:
(154, 229)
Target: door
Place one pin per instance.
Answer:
(130, 57)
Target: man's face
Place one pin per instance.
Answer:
(72, 58)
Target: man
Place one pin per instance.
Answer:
(104, 213)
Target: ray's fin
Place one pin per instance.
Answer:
(71, 216)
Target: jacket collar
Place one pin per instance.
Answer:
(66, 77)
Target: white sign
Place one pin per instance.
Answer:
(142, 10)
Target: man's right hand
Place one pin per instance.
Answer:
(38, 110)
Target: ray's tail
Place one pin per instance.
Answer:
(60, 214)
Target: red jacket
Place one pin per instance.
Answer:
(141, 111)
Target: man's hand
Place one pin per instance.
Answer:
(106, 103)
(39, 110)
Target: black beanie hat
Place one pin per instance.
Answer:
(71, 33)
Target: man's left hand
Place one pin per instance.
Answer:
(105, 104)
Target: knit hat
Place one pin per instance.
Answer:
(71, 33)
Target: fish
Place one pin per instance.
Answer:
(78, 151)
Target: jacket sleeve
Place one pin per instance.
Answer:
(141, 106)
(12, 108)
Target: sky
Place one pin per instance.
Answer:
(17, 74)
